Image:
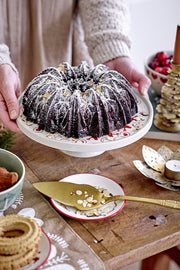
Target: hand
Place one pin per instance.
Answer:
(9, 93)
(126, 67)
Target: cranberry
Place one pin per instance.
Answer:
(154, 63)
(159, 69)
(166, 62)
(165, 70)
(161, 56)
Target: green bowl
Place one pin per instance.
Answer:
(12, 163)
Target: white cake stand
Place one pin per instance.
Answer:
(89, 146)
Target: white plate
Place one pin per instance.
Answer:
(108, 210)
(43, 253)
(89, 146)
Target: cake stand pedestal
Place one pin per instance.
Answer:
(82, 154)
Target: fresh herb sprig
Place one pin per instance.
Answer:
(6, 139)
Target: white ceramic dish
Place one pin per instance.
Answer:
(157, 79)
(108, 210)
(12, 163)
(89, 146)
(43, 253)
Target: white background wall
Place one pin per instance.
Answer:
(153, 27)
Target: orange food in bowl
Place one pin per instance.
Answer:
(7, 179)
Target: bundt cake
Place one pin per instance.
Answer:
(79, 101)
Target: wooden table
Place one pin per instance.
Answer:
(132, 234)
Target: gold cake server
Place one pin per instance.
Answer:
(86, 197)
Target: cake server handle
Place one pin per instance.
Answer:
(164, 203)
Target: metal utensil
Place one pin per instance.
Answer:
(86, 197)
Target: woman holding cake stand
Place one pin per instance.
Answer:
(36, 34)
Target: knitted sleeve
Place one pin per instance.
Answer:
(106, 28)
(5, 57)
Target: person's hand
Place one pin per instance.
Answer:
(126, 67)
(9, 93)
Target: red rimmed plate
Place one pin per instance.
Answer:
(106, 211)
(44, 249)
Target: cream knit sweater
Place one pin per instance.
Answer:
(40, 33)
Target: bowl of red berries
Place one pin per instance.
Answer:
(157, 67)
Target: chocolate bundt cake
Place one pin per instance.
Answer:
(79, 101)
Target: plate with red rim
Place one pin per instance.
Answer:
(100, 182)
(90, 146)
(44, 249)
